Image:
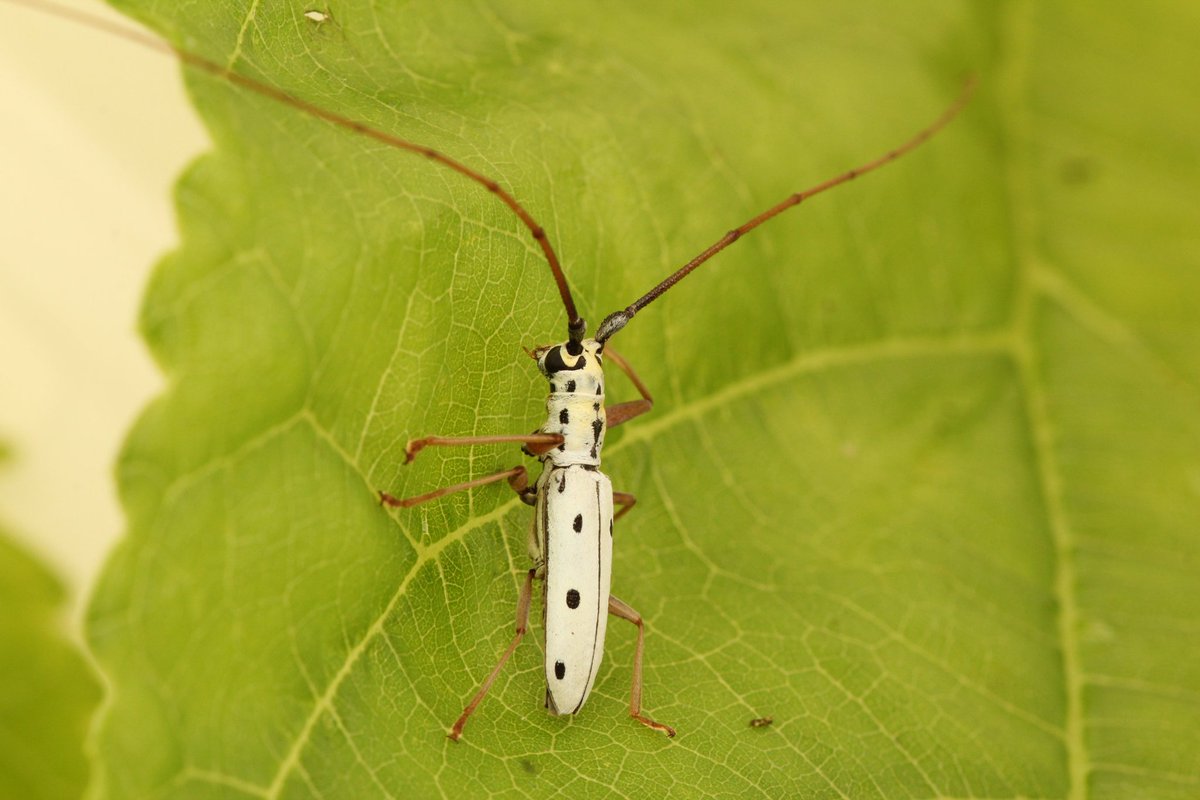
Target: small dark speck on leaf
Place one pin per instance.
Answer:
(761, 722)
(1077, 170)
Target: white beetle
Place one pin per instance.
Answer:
(571, 536)
(571, 540)
(574, 495)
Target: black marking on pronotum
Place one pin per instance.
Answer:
(555, 363)
(572, 598)
(564, 417)
(597, 427)
(570, 386)
(553, 388)
(560, 670)
(578, 523)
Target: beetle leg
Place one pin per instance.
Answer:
(536, 440)
(623, 412)
(626, 501)
(620, 609)
(518, 479)
(522, 624)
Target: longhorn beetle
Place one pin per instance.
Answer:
(570, 540)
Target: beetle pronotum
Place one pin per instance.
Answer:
(571, 537)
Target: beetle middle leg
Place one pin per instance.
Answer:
(522, 624)
(619, 608)
(626, 501)
(517, 477)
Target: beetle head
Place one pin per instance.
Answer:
(577, 363)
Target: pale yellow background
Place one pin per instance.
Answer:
(93, 131)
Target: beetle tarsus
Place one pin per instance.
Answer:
(658, 726)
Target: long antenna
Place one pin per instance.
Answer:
(619, 319)
(574, 323)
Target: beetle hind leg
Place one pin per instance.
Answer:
(522, 625)
(619, 608)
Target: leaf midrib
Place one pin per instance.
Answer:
(1017, 31)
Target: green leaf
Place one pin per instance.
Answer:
(922, 479)
(47, 692)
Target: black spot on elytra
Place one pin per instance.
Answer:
(572, 598)
(599, 390)
(564, 417)
(562, 484)
(597, 427)
(610, 527)
(595, 406)
(578, 523)
(570, 386)
(560, 670)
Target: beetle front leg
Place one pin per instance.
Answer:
(623, 412)
(620, 609)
